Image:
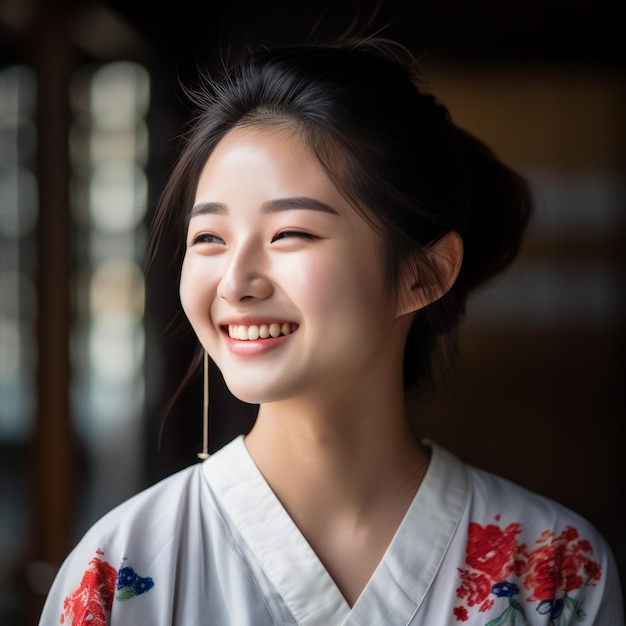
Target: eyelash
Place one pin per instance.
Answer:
(209, 238)
(288, 234)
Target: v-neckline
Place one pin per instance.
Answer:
(402, 577)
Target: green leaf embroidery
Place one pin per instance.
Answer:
(125, 594)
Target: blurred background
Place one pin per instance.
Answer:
(92, 347)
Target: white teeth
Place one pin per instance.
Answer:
(274, 329)
(260, 331)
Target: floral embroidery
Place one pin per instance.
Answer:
(558, 565)
(130, 584)
(89, 604)
(93, 596)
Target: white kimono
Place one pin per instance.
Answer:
(212, 545)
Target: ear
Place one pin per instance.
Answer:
(432, 275)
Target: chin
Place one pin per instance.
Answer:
(249, 394)
(258, 394)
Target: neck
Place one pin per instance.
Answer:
(348, 457)
(345, 471)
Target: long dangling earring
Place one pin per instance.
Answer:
(205, 411)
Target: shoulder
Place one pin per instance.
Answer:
(115, 557)
(490, 498)
(160, 502)
(179, 504)
(534, 553)
(132, 551)
(499, 510)
(175, 502)
(537, 524)
(170, 501)
(497, 498)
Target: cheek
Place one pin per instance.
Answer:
(185, 293)
(191, 288)
(313, 283)
(336, 287)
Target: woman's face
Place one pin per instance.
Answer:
(282, 279)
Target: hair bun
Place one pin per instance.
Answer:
(500, 211)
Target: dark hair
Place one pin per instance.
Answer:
(390, 148)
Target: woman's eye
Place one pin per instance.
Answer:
(207, 238)
(289, 234)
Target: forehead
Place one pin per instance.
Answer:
(268, 154)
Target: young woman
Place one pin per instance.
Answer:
(334, 222)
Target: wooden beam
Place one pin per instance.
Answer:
(53, 452)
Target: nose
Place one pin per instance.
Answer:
(244, 276)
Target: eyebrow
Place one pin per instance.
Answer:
(271, 206)
(208, 208)
(286, 204)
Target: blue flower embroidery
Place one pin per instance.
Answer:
(505, 589)
(130, 584)
(554, 607)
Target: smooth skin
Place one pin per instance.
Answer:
(271, 239)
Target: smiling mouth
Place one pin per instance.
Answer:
(260, 331)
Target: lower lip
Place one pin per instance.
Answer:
(253, 347)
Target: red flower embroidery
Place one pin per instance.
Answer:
(86, 606)
(475, 587)
(593, 571)
(560, 563)
(460, 612)
(492, 550)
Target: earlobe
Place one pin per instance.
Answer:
(431, 275)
